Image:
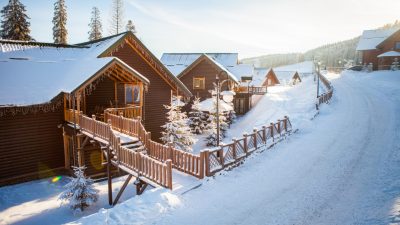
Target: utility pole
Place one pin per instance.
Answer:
(217, 110)
(318, 72)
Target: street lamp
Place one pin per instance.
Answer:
(318, 72)
(226, 95)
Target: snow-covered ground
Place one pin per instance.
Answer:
(342, 167)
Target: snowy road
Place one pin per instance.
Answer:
(343, 169)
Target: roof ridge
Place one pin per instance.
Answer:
(35, 43)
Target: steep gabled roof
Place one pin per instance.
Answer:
(370, 39)
(260, 75)
(111, 44)
(213, 62)
(285, 76)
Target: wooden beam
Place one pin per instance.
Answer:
(122, 189)
(140, 187)
(110, 202)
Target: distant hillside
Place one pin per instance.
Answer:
(332, 55)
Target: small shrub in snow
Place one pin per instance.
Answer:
(212, 126)
(177, 130)
(80, 193)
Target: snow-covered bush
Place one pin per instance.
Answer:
(79, 193)
(177, 130)
(196, 118)
(230, 117)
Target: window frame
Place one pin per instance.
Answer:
(133, 88)
(203, 79)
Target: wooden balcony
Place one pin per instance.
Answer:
(252, 90)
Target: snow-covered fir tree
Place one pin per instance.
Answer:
(130, 26)
(196, 122)
(230, 117)
(80, 193)
(60, 22)
(14, 24)
(117, 17)
(177, 130)
(95, 25)
(211, 127)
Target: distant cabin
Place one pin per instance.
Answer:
(380, 47)
(198, 71)
(43, 83)
(288, 77)
(264, 77)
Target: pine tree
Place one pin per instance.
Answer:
(211, 127)
(196, 122)
(60, 22)
(130, 26)
(117, 17)
(176, 130)
(80, 193)
(95, 25)
(15, 25)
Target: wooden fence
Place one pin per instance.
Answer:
(181, 160)
(147, 168)
(228, 154)
(127, 112)
(325, 97)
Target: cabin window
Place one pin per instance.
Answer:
(397, 45)
(199, 83)
(132, 94)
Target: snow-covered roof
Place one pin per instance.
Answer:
(372, 38)
(259, 76)
(232, 76)
(284, 76)
(178, 62)
(241, 70)
(389, 54)
(208, 105)
(35, 73)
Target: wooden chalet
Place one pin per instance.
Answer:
(288, 77)
(50, 95)
(379, 47)
(264, 77)
(198, 71)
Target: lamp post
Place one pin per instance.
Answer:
(318, 72)
(227, 97)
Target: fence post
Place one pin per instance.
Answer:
(272, 132)
(234, 148)
(93, 125)
(255, 138)
(120, 121)
(221, 156)
(169, 172)
(285, 123)
(264, 136)
(201, 164)
(279, 127)
(245, 143)
(170, 151)
(116, 149)
(207, 161)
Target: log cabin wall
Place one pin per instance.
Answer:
(102, 97)
(371, 56)
(31, 146)
(207, 70)
(272, 77)
(158, 94)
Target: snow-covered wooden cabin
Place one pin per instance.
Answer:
(380, 47)
(41, 85)
(288, 77)
(264, 77)
(198, 71)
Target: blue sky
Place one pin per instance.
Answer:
(251, 28)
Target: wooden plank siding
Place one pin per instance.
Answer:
(205, 69)
(102, 97)
(158, 94)
(30, 146)
(272, 77)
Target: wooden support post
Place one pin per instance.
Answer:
(81, 159)
(272, 131)
(221, 156)
(207, 162)
(120, 125)
(94, 125)
(170, 154)
(255, 138)
(264, 137)
(245, 144)
(122, 189)
(110, 202)
(234, 148)
(279, 126)
(140, 186)
(201, 166)
(169, 170)
(285, 124)
(66, 150)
